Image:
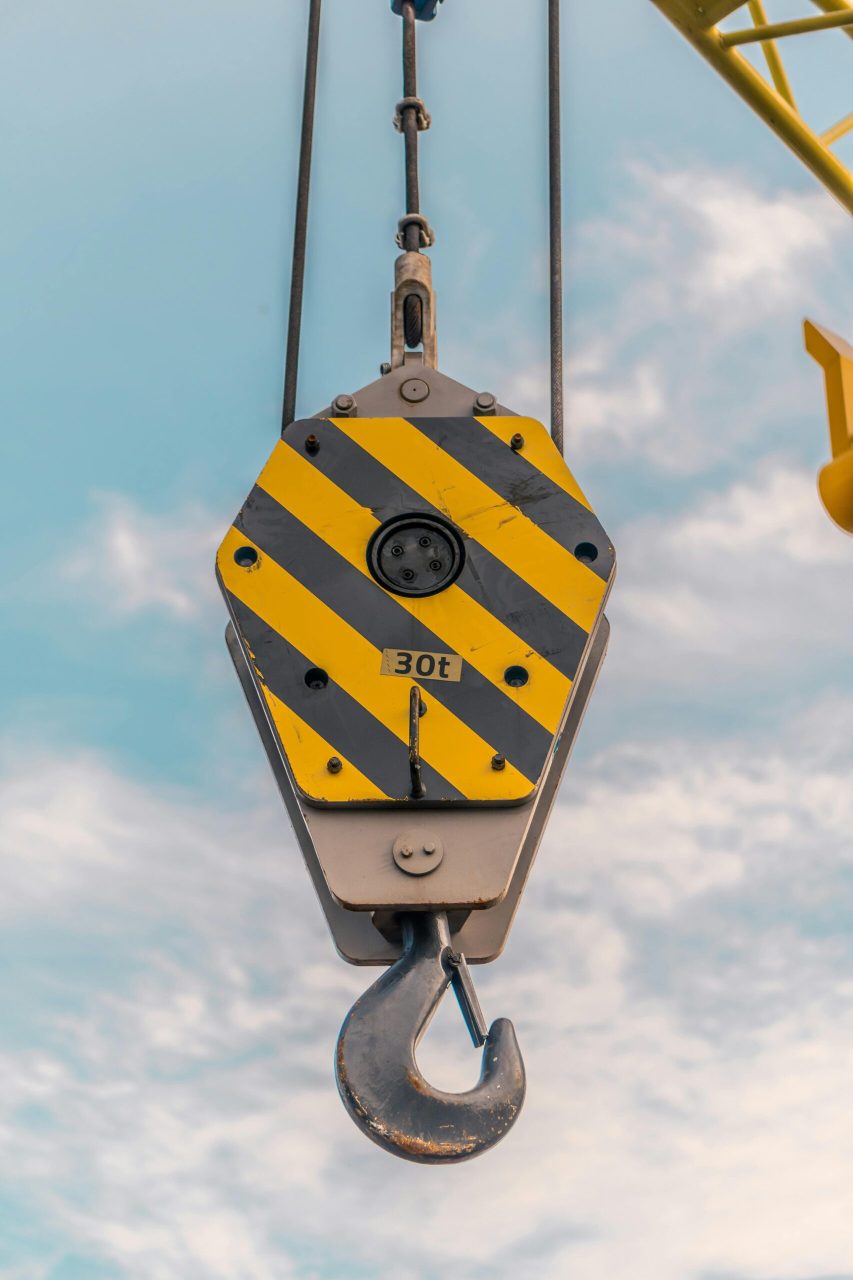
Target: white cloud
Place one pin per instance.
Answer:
(129, 560)
(685, 314)
(687, 1071)
(750, 582)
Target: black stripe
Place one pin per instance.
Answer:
(517, 481)
(331, 712)
(485, 578)
(376, 615)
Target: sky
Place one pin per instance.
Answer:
(681, 970)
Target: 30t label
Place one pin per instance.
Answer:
(423, 666)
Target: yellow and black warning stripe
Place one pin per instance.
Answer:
(294, 571)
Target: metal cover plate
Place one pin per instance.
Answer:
(295, 574)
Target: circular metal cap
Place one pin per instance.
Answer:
(414, 390)
(415, 555)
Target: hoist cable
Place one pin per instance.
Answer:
(555, 211)
(300, 233)
(410, 124)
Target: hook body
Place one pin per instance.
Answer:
(379, 1080)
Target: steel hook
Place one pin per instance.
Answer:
(378, 1077)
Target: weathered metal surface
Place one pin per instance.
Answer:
(509, 574)
(378, 1077)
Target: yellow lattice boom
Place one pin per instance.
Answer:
(772, 97)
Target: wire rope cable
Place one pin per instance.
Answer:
(300, 234)
(555, 218)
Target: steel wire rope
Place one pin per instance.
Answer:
(555, 219)
(300, 233)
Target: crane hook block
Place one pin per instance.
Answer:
(455, 555)
(835, 480)
(426, 10)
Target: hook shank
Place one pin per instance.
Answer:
(379, 1080)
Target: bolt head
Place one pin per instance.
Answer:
(334, 764)
(406, 852)
(517, 442)
(385, 368)
(312, 444)
(485, 402)
(429, 847)
(498, 762)
(344, 403)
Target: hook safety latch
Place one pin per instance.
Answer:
(378, 1077)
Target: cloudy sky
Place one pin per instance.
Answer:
(681, 971)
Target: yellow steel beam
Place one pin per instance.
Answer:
(835, 481)
(838, 130)
(777, 30)
(765, 100)
(775, 65)
(834, 6)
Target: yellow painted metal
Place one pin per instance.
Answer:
(775, 65)
(835, 482)
(291, 610)
(571, 586)
(478, 636)
(834, 6)
(778, 30)
(335, 648)
(838, 130)
(696, 21)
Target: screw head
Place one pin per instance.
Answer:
(334, 764)
(485, 402)
(517, 442)
(343, 403)
(312, 445)
(498, 762)
(417, 851)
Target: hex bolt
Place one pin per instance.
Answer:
(312, 445)
(498, 762)
(485, 402)
(429, 848)
(334, 764)
(406, 852)
(517, 442)
(343, 404)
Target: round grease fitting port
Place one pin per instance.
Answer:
(416, 555)
(417, 852)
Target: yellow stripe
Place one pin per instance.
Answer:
(482, 639)
(354, 663)
(483, 514)
(308, 754)
(539, 450)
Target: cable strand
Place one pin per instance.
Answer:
(300, 234)
(555, 211)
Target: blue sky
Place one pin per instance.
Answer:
(681, 972)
